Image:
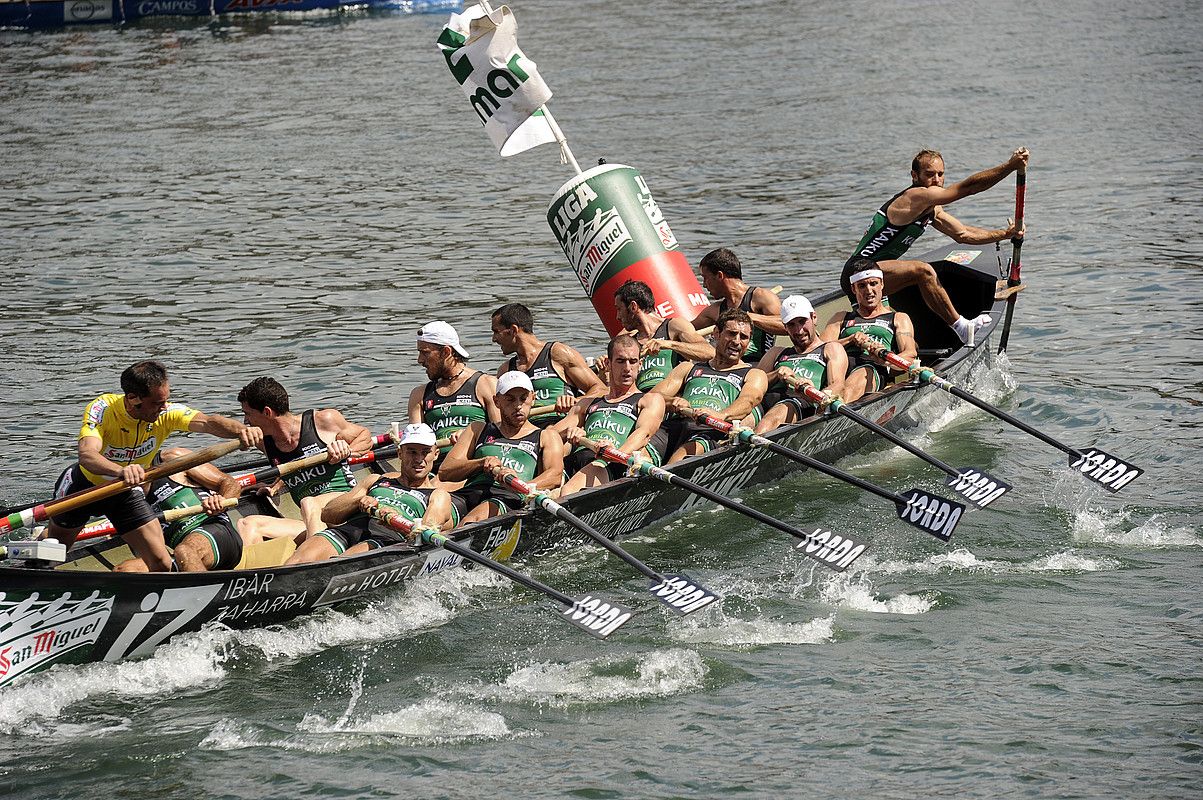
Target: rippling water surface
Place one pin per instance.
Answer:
(295, 195)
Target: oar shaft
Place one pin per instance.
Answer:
(106, 528)
(1021, 181)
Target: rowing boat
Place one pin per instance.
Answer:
(83, 612)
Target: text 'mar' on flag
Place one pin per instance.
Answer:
(502, 85)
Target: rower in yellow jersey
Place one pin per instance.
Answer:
(120, 436)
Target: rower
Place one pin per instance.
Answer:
(487, 450)
(558, 372)
(410, 491)
(202, 541)
(903, 218)
(456, 395)
(626, 417)
(725, 387)
(868, 328)
(823, 365)
(120, 436)
(665, 342)
(289, 436)
(722, 276)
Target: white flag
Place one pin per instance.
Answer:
(501, 83)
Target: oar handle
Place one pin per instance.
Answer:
(107, 528)
(540, 410)
(710, 329)
(819, 398)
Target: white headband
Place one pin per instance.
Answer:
(857, 277)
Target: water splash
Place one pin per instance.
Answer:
(747, 633)
(1108, 527)
(963, 560)
(855, 592)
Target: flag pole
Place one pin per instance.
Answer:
(566, 156)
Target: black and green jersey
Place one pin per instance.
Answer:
(713, 389)
(522, 455)
(167, 494)
(880, 328)
(811, 365)
(883, 241)
(761, 342)
(611, 421)
(448, 414)
(319, 479)
(549, 386)
(654, 367)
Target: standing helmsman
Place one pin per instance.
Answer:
(664, 342)
(722, 276)
(904, 217)
(120, 436)
(456, 395)
(808, 359)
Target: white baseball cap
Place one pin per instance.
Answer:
(439, 332)
(514, 379)
(418, 433)
(795, 306)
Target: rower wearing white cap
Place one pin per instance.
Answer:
(456, 395)
(487, 450)
(823, 365)
(868, 328)
(411, 491)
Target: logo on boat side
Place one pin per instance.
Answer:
(35, 632)
(151, 7)
(84, 10)
(353, 584)
(962, 257)
(245, 4)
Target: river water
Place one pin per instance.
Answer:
(294, 196)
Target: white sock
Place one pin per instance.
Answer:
(961, 328)
(980, 322)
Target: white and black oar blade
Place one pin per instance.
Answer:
(1105, 469)
(682, 594)
(830, 549)
(930, 513)
(979, 488)
(595, 616)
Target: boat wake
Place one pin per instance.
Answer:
(963, 560)
(601, 680)
(748, 633)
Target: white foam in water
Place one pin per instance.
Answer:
(857, 595)
(1107, 527)
(1069, 561)
(963, 560)
(734, 632)
(658, 674)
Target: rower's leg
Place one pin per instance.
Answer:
(482, 511)
(195, 554)
(146, 541)
(257, 527)
(690, 448)
(592, 474)
(64, 536)
(131, 565)
(315, 548)
(857, 383)
(311, 512)
(780, 414)
(901, 274)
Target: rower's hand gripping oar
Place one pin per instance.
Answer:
(679, 592)
(829, 549)
(44, 511)
(591, 614)
(928, 512)
(1110, 472)
(977, 486)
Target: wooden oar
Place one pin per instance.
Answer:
(1110, 472)
(1021, 180)
(44, 511)
(593, 615)
(928, 512)
(975, 485)
(106, 528)
(829, 549)
(709, 330)
(679, 592)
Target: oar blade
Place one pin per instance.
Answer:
(930, 513)
(830, 549)
(1108, 471)
(682, 594)
(597, 617)
(978, 487)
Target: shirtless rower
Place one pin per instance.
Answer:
(722, 276)
(903, 218)
(625, 417)
(725, 387)
(486, 450)
(456, 395)
(558, 372)
(288, 436)
(868, 328)
(120, 436)
(665, 342)
(823, 365)
(202, 541)
(411, 491)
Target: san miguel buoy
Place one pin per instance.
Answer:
(612, 231)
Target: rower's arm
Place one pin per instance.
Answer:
(836, 370)
(651, 417)
(457, 465)
(685, 341)
(551, 454)
(766, 312)
(575, 418)
(357, 436)
(576, 371)
(346, 505)
(212, 478)
(767, 364)
(671, 385)
(831, 333)
(961, 233)
(486, 391)
(904, 335)
(755, 385)
(917, 200)
(438, 511)
(415, 404)
(226, 428)
(91, 459)
(706, 317)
